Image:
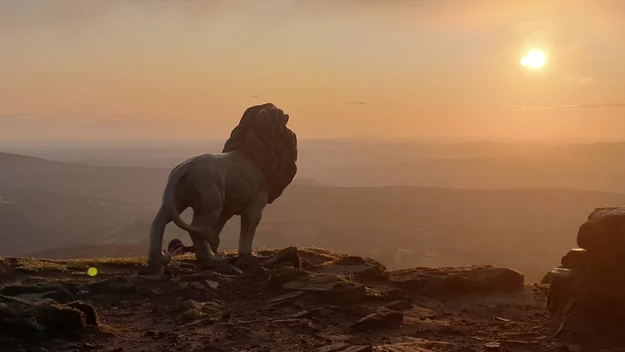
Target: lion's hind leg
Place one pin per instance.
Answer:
(156, 257)
(204, 242)
(217, 228)
(206, 215)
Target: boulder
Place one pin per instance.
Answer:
(576, 258)
(588, 289)
(603, 236)
(561, 281)
(43, 320)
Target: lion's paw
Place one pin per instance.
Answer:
(152, 269)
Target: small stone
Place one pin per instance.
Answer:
(196, 285)
(191, 304)
(229, 269)
(83, 293)
(345, 347)
(400, 305)
(212, 348)
(212, 284)
(260, 334)
(288, 255)
(303, 314)
(492, 347)
(211, 306)
(337, 338)
(284, 298)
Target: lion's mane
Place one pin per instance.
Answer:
(262, 136)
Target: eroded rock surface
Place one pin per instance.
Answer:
(458, 281)
(290, 300)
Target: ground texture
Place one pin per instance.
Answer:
(292, 300)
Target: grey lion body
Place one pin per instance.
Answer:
(257, 163)
(216, 187)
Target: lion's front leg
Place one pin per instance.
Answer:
(249, 223)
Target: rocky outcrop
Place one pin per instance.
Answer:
(587, 289)
(41, 319)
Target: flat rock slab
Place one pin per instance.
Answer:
(345, 347)
(456, 281)
(284, 298)
(400, 305)
(331, 287)
(417, 345)
(38, 292)
(379, 321)
(317, 283)
(401, 348)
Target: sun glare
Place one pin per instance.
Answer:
(535, 59)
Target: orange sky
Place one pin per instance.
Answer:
(430, 68)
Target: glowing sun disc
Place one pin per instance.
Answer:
(535, 59)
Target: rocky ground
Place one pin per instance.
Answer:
(297, 300)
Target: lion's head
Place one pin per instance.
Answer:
(262, 135)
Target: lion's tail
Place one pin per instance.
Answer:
(169, 199)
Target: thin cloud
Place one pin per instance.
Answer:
(24, 116)
(13, 116)
(609, 105)
(362, 103)
(556, 107)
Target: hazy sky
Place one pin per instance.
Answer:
(423, 68)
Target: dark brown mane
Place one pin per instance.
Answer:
(262, 135)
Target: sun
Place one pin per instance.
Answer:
(535, 59)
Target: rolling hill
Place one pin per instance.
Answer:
(56, 209)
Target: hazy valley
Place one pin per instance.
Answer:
(406, 204)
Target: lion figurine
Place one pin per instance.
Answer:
(257, 163)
